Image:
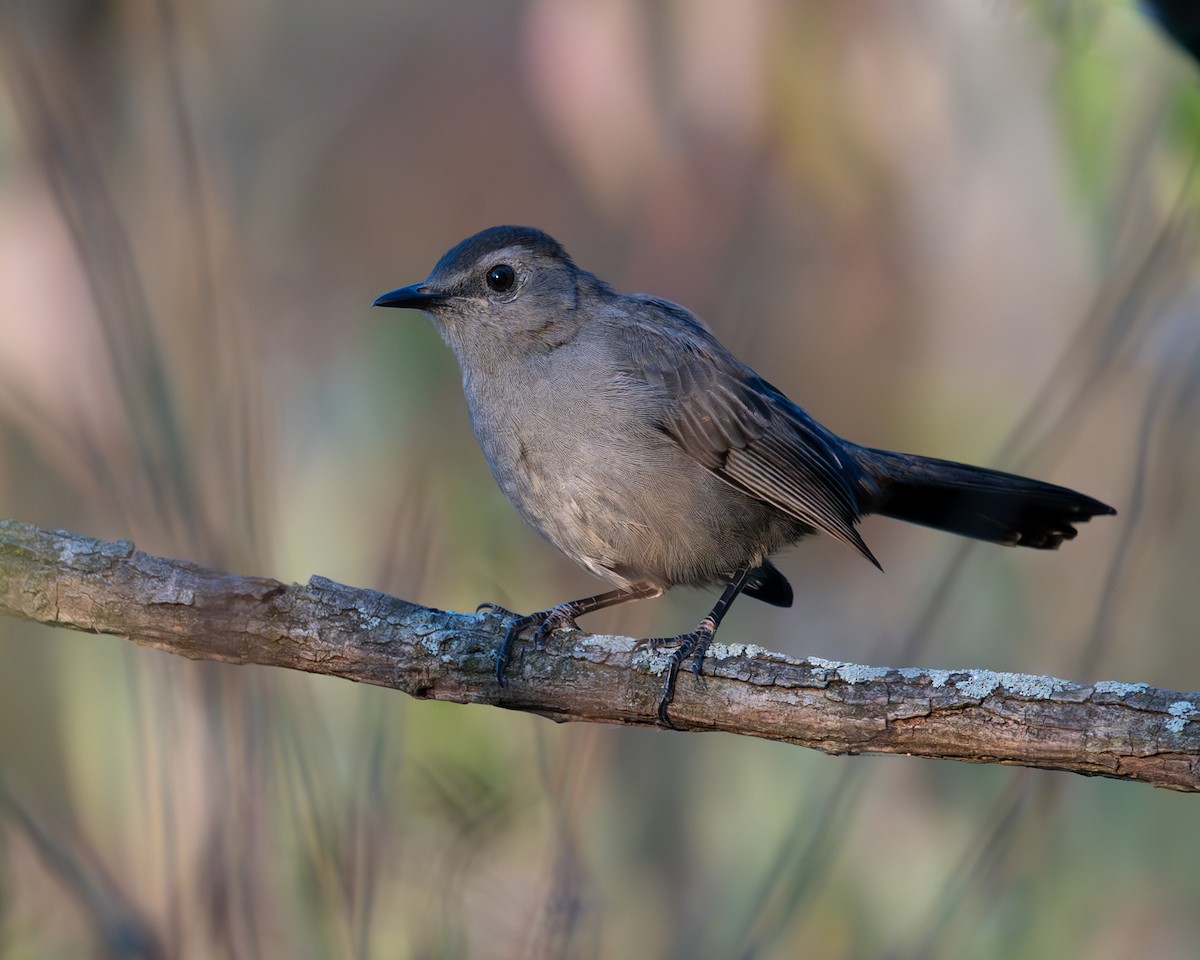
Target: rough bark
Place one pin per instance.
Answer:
(1123, 730)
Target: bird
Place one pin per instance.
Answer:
(623, 431)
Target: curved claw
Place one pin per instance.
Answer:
(664, 701)
(510, 638)
(502, 612)
(546, 621)
(674, 661)
(693, 645)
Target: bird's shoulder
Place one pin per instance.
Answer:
(667, 345)
(702, 385)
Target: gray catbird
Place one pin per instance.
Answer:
(630, 438)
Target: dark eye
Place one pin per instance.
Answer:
(501, 277)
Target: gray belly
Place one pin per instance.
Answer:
(634, 507)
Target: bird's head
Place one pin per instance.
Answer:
(504, 284)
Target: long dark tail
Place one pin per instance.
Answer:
(973, 501)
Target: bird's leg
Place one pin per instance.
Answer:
(547, 621)
(694, 644)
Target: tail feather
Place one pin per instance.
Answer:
(973, 501)
(767, 584)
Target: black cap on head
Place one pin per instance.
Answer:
(469, 251)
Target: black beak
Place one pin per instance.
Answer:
(411, 297)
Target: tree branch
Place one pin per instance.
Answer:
(1122, 730)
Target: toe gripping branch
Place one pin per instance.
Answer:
(545, 621)
(694, 644)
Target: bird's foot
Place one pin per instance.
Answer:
(694, 645)
(545, 622)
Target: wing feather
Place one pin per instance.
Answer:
(746, 431)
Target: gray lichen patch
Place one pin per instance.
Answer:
(723, 651)
(655, 661)
(936, 678)
(598, 647)
(1181, 712)
(1118, 689)
(850, 672)
(609, 642)
(978, 684)
(432, 643)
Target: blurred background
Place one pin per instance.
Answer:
(964, 229)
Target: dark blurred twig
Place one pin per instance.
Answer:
(1126, 731)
